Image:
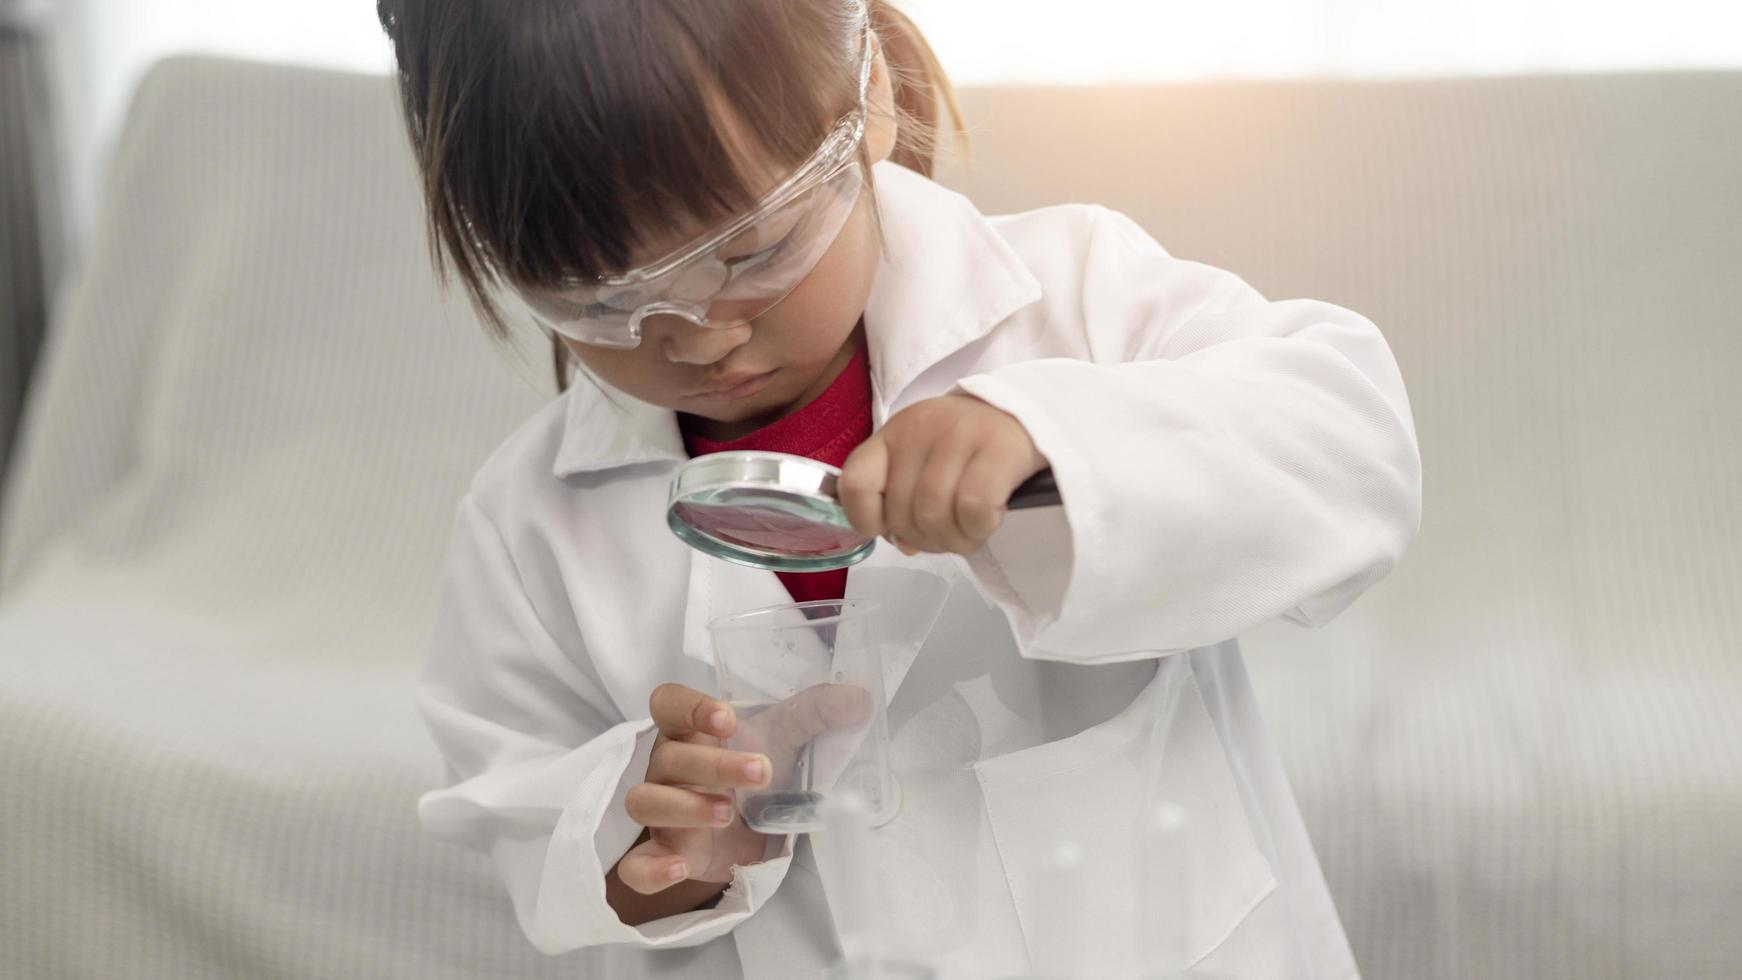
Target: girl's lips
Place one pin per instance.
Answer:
(741, 390)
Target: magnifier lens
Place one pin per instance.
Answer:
(765, 510)
(769, 521)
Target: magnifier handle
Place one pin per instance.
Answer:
(1039, 490)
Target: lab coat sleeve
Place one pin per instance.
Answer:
(1224, 460)
(538, 763)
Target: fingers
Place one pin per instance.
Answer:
(689, 763)
(925, 517)
(651, 867)
(944, 468)
(790, 725)
(906, 461)
(655, 805)
(983, 494)
(930, 518)
(861, 486)
(680, 711)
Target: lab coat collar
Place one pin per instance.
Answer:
(945, 279)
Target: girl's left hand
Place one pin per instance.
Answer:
(937, 475)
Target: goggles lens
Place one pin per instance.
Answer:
(753, 268)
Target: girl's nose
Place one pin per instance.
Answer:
(682, 342)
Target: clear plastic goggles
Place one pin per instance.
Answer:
(734, 274)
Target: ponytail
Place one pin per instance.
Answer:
(923, 93)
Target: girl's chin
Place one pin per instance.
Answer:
(719, 411)
(739, 418)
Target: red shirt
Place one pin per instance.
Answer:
(828, 429)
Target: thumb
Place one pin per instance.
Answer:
(863, 477)
(825, 707)
(652, 866)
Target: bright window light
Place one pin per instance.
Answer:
(1088, 41)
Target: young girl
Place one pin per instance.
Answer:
(720, 211)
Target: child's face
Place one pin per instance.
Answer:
(788, 354)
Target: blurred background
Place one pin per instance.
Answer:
(98, 48)
(237, 413)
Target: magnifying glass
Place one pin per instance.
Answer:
(782, 512)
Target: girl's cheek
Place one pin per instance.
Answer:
(640, 372)
(835, 291)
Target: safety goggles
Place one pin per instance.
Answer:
(735, 273)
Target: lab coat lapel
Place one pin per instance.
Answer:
(946, 277)
(720, 588)
(910, 593)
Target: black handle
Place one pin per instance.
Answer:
(1039, 490)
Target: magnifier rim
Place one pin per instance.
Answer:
(700, 468)
(762, 471)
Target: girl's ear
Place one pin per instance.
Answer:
(881, 126)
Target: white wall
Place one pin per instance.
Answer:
(101, 47)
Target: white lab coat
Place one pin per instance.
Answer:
(1223, 460)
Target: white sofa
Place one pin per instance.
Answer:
(1520, 755)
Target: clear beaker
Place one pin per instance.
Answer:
(806, 682)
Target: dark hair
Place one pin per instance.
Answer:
(555, 136)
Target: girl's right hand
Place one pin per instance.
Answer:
(686, 801)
